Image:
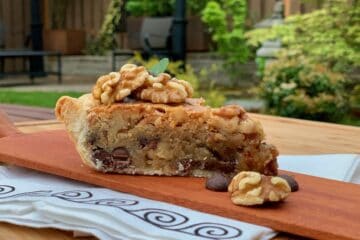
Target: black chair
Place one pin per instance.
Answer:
(155, 39)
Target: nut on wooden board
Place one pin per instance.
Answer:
(252, 188)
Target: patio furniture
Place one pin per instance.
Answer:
(155, 38)
(28, 55)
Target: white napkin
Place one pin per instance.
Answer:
(39, 200)
(341, 167)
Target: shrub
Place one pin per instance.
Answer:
(226, 22)
(104, 40)
(153, 8)
(329, 35)
(294, 87)
(355, 97)
(149, 7)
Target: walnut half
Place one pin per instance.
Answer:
(116, 86)
(253, 188)
(166, 90)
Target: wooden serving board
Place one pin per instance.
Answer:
(321, 209)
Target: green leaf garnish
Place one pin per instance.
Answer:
(160, 67)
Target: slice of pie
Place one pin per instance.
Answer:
(136, 123)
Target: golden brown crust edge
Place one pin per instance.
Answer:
(72, 112)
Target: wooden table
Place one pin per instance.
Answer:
(291, 136)
(19, 113)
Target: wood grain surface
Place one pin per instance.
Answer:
(322, 209)
(14, 232)
(291, 136)
(6, 127)
(294, 136)
(19, 113)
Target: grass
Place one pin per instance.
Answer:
(48, 99)
(34, 98)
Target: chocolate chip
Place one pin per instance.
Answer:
(217, 182)
(224, 155)
(117, 159)
(120, 154)
(291, 181)
(143, 141)
(101, 154)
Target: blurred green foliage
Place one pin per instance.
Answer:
(149, 7)
(226, 22)
(295, 87)
(157, 8)
(104, 41)
(260, 66)
(212, 96)
(330, 35)
(355, 97)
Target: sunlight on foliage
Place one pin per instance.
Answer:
(330, 35)
(228, 35)
(105, 40)
(295, 87)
